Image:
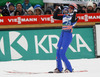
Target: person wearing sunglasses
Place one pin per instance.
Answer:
(68, 21)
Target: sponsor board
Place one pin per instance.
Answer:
(70, 1)
(42, 44)
(89, 17)
(97, 39)
(45, 19)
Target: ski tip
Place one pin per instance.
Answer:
(50, 72)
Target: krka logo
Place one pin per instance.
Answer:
(17, 45)
(15, 40)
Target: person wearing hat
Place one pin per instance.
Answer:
(68, 22)
(38, 10)
(11, 8)
(90, 7)
(26, 5)
(30, 11)
(5, 12)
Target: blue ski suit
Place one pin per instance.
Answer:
(65, 38)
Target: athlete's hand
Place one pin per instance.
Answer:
(75, 10)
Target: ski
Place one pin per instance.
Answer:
(19, 72)
(72, 72)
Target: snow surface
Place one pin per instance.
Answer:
(92, 65)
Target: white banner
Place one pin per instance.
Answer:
(98, 39)
(70, 1)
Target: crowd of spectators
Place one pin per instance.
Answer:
(90, 8)
(27, 9)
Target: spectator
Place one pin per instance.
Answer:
(5, 12)
(90, 7)
(38, 10)
(17, 13)
(11, 8)
(48, 12)
(1, 9)
(84, 9)
(1, 12)
(81, 11)
(99, 4)
(56, 6)
(51, 8)
(97, 10)
(20, 9)
(26, 5)
(30, 11)
(94, 6)
(37, 6)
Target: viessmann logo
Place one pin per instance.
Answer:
(87, 17)
(19, 20)
(47, 19)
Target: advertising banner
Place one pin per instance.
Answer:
(97, 39)
(45, 19)
(69, 1)
(15, 20)
(42, 44)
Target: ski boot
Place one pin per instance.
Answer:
(67, 71)
(57, 71)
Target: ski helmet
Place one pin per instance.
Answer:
(73, 5)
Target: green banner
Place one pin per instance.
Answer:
(41, 44)
(33, 2)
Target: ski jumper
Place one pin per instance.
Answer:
(65, 38)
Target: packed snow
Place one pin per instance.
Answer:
(91, 65)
